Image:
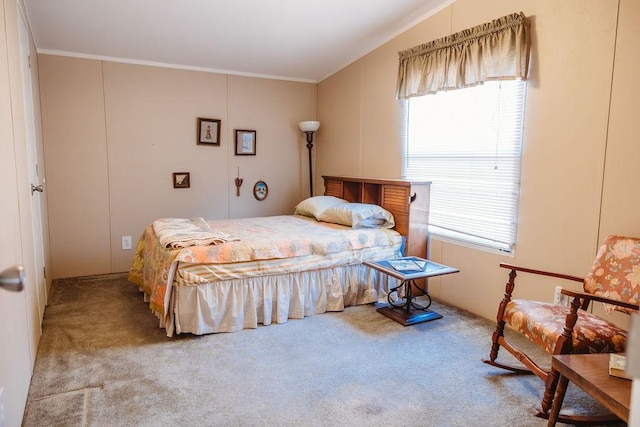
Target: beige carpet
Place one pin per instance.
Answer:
(103, 361)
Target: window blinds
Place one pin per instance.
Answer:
(468, 143)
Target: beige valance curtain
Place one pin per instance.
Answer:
(497, 50)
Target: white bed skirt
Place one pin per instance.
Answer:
(233, 305)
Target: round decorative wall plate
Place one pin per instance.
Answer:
(260, 190)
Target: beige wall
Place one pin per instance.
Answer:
(620, 207)
(576, 152)
(76, 157)
(116, 132)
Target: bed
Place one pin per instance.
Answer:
(271, 269)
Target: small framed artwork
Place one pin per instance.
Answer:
(260, 190)
(208, 131)
(245, 142)
(181, 180)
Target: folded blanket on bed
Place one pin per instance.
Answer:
(175, 233)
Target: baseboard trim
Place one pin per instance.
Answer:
(95, 277)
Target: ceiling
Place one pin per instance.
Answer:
(300, 40)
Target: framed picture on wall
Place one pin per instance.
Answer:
(260, 190)
(245, 142)
(208, 131)
(181, 180)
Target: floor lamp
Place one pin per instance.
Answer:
(309, 127)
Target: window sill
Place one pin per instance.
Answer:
(471, 245)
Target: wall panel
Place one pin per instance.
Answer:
(115, 132)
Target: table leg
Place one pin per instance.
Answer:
(408, 296)
(411, 313)
(561, 389)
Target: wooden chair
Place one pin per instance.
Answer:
(614, 279)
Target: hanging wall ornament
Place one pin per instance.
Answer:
(238, 183)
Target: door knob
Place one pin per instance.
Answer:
(12, 279)
(35, 188)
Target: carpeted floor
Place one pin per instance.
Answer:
(103, 361)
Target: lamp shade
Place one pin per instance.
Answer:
(309, 126)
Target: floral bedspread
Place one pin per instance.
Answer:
(260, 238)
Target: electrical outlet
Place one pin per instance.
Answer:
(126, 242)
(559, 298)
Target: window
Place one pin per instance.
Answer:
(468, 142)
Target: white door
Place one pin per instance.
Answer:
(15, 356)
(37, 185)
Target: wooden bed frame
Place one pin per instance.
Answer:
(407, 201)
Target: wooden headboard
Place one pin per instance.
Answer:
(407, 201)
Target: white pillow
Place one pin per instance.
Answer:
(314, 206)
(358, 215)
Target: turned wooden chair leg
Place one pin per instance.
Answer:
(551, 384)
(563, 346)
(495, 346)
(499, 332)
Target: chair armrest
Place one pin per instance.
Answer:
(591, 297)
(542, 273)
(510, 285)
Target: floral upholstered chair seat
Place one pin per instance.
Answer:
(543, 324)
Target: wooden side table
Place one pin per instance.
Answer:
(408, 312)
(590, 372)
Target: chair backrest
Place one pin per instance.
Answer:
(615, 274)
